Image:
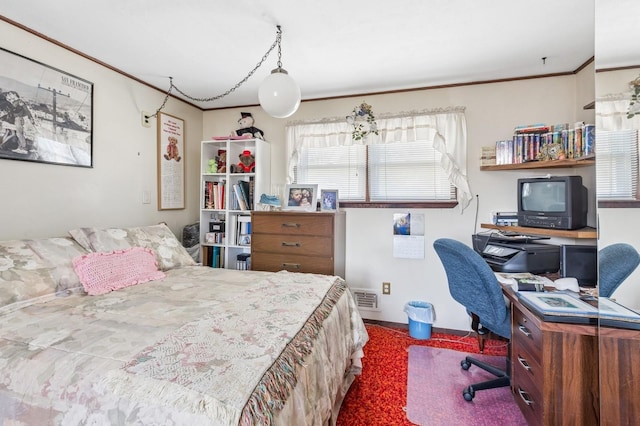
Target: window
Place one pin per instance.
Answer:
(617, 165)
(413, 160)
(616, 152)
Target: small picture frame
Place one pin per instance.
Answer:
(329, 201)
(301, 197)
(244, 240)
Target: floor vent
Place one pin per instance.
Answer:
(365, 299)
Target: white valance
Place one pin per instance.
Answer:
(445, 128)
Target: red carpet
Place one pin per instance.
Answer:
(379, 395)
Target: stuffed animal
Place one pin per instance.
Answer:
(172, 150)
(213, 166)
(222, 161)
(246, 126)
(247, 163)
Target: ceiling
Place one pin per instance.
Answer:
(330, 47)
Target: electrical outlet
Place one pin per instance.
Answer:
(386, 288)
(146, 119)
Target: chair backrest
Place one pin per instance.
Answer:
(615, 263)
(473, 284)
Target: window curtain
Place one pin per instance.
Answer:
(445, 129)
(611, 113)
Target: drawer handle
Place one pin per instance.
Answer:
(291, 265)
(291, 225)
(286, 244)
(525, 396)
(524, 330)
(523, 362)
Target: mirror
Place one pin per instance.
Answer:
(617, 63)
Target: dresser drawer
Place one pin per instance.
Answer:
(277, 262)
(529, 398)
(526, 333)
(293, 244)
(293, 224)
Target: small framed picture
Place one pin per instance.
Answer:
(329, 200)
(244, 240)
(302, 197)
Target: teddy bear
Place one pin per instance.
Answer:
(246, 126)
(247, 163)
(222, 161)
(172, 150)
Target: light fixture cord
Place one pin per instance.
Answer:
(240, 83)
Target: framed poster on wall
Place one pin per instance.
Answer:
(171, 180)
(46, 115)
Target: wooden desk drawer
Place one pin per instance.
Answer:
(277, 262)
(293, 224)
(529, 398)
(524, 364)
(293, 244)
(526, 332)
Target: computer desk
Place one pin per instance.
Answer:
(554, 368)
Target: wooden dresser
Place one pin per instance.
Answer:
(298, 242)
(554, 369)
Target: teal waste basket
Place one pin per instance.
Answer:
(420, 319)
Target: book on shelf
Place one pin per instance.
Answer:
(245, 190)
(239, 199)
(214, 195)
(217, 257)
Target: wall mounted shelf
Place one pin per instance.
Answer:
(551, 164)
(582, 233)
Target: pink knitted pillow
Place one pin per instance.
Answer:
(103, 272)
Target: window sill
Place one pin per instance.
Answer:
(619, 204)
(399, 205)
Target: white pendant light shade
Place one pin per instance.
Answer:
(279, 94)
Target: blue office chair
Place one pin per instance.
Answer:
(615, 263)
(473, 284)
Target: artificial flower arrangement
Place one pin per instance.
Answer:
(634, 105)
(362, 111)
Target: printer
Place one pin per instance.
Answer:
(517, 253)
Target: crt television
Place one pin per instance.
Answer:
(552, 202)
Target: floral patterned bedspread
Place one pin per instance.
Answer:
(201, 346)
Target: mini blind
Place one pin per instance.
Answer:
(407, 171)
(339, 167)
(397, 172)
(617, 164)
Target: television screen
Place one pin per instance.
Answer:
(580, 262)
(544, 196)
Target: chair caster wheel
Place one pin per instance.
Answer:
(468, 394)
(465, 364)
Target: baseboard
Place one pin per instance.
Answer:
(433, 329)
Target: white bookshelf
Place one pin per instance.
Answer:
(222, 250)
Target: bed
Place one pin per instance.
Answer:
(192, 345)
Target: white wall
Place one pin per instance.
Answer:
(492, 111)
(42, 200)
(620, 224)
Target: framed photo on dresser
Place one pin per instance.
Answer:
(329, 200)
(301, 197)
